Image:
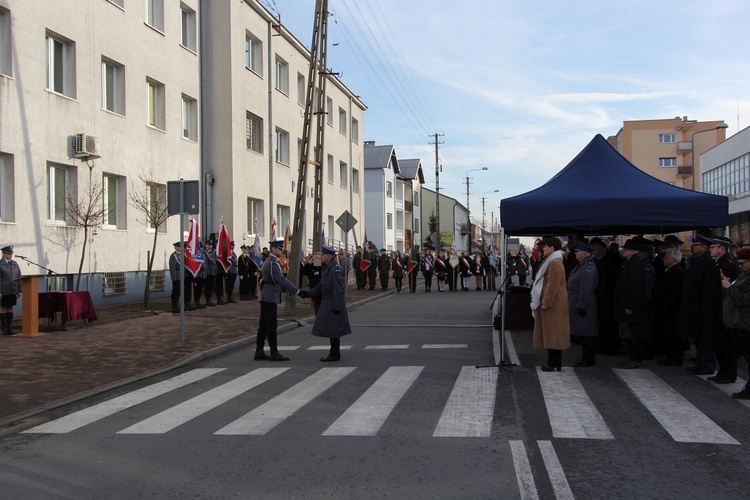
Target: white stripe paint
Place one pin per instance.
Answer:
(512, 355)
(192, 408)
(571, 412)
(97, 412)
(524, 476)
(445, 346)
(392, 346)
(367, 415)
(683, 421)
(325, 347)
(731, 388)
(471, 404)
(288, 347)
(556, 474)
(268, 415)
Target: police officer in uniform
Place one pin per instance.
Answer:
(384, 268)
(272, 283)
(231, 274)
(9, 289)
(209, 261)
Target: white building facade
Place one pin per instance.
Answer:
(381, 172)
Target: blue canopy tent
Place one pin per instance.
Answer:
(601, 192)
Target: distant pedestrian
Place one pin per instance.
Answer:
(331, 319)
(10, 289)
(384, 268)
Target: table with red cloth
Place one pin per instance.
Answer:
(71, 306)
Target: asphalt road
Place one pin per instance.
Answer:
(404, 414)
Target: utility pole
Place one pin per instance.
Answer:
(438, 239)
(314, 105)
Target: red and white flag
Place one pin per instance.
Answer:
(193, 253)
(223, 248)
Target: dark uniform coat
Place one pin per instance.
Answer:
(699, 317)
(9, 270)
(629, 292)
(274, 281)
(332, 321)
(667, 298)
(724, 339)
(582, 283)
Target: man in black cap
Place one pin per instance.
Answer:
(244, 264)
(174, 273)
(10, 289)
(726, 348)
(699, 317)
(331, 319)
(231, 273)
(210, 263)
(359, 274)
(272, 283)
(630, 302)
(384, 268)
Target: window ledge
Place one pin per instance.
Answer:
(157, 129)
(188, 139)
(114, 113)
(9, 77)
(61, 95)
(154, 28)
(192, 51)
(251, 70)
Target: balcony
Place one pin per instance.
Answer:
(686, 171)
(684, 147)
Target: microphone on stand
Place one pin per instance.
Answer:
(20, 256)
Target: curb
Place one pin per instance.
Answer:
(195, 358)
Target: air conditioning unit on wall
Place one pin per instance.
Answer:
(86, 147)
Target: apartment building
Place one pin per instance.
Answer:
(408, 193)
(454, 224)
(127, 95)
(725, 170)
(664, 148)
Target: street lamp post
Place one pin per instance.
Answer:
(692, 144)
(468, 212)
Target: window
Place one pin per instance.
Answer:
(399, 220)
(331, 228)
(61, 65)
(157, 196)
(188, 28)
(119, 3)
(389, 189)
(667, 138)
(282, 146)
(355, 180)
(255, 216)
(155, 14)
(282, 75)
(254, 132)
(6, 65)
(114, 284)
(283, 220)
(253, 54)
(416, 225)
(416, 198)
(330, 169)
(113, 86)
(329, 111)
(189, 118)
(115, 202)
(389, 221)
(156, 111)
(667, 162)
(343, 174)
(61, 186)
(301, 89)
(7, 189)
(355, 130)
(342, 121)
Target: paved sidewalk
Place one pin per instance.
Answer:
(124, 345)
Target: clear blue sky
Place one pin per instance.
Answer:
(521, 87)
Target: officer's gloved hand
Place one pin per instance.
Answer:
(302, 294)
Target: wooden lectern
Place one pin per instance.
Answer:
(30, 307)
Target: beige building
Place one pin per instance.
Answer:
(664, 148)
(112, 92)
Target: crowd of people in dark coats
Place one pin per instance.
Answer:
(649, 297)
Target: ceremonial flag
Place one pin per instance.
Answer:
(413, 261)
(193, 253)
(493, 254)
(255, 255)
(223, 248)
(365, 262)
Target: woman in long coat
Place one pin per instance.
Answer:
(582, 308)
(332, 320)
(399, 267)
(549, 305)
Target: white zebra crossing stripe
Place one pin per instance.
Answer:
(192, 408)
(471, 404)
(571, 412)
(393, 346)
(683, 421)
(268, 415)
(97, 412)
(367, 415)
(556, 474)
(323, 347)
(445, 346)
(524, 476)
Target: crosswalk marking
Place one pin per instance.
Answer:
(368, 413)
(556, 474)
(324, 347)
(265, 417)
(192, 408)
(471, 404)
(97, 412)
(392, 346)
(445, 346)
(524, 476)
(683, 421)
(571, 412)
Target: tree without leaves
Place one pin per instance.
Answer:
(151, 201)
(86, 212)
